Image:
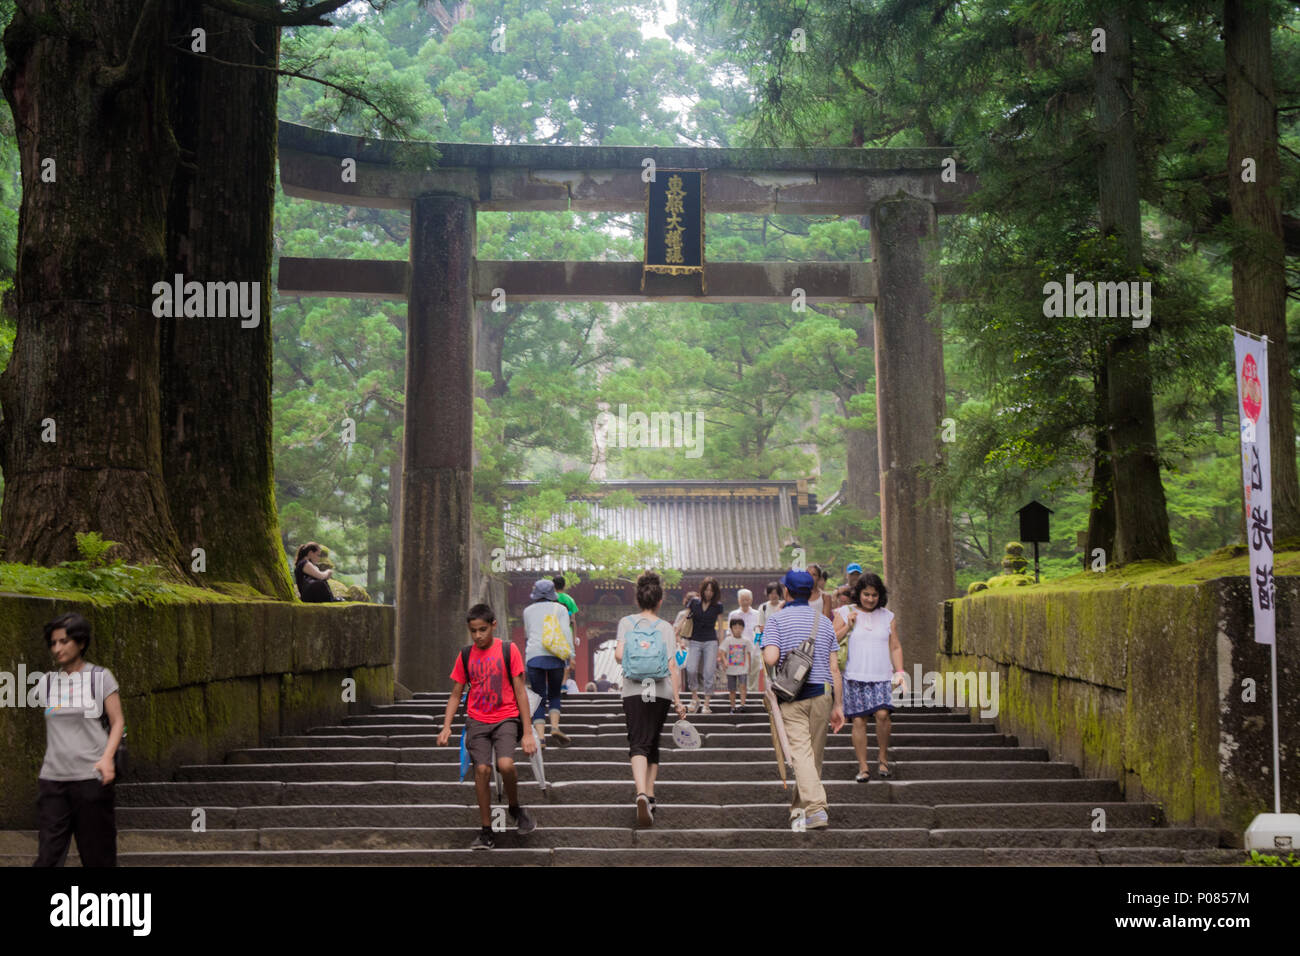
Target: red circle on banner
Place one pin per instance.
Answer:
(1252, 392)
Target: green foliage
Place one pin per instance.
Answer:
(839, 538)
(1266, 859)
(1007, 89)
(94, 574)
(93, 548)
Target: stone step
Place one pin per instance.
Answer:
(612, 700)
(727, 742)
(679, 816)
(592, 723)
(731, 770)
(580, 713)
(232, 793)
(1001, 816)
(553, 755)
(353, 738)
(414, 735)
(458, 837)
(1177, 837)
(812, 853)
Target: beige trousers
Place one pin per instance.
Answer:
(806, 724)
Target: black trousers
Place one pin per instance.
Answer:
(80, 808)
(317, 591)
(645, 724)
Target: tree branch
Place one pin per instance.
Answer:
(392, 123)
(312, 16)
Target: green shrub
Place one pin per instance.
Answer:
(1264, 859)
(95, 573)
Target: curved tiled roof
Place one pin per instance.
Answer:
(699, 525)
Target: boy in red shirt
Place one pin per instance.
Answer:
(492, 719)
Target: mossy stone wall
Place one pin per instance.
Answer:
(1147, 684)
(197, 679)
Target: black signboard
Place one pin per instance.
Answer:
(674, 235)
(1034, 522)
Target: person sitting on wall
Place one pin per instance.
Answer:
(313, 583)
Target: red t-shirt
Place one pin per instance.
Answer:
(491, 696)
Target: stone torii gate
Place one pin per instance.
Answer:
(901, 190)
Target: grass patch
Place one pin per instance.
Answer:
(1232, 561)
(98, 581)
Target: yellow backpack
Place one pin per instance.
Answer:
(553, 640)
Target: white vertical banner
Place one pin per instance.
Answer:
(1257, 485)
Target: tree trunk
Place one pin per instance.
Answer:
(91, 244)
(1141, 521)
(1101, 517)
(1258, 260)
(216, 374)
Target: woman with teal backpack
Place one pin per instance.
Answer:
(646, 650)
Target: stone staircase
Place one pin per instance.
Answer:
(375, 789)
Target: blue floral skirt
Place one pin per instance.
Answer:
(866, 697)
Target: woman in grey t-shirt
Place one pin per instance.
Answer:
(76, 778)
(645, 702)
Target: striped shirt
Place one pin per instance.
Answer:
(790, 627)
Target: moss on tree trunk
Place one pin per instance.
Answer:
(96, 159)
(216, 374)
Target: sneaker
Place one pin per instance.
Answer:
(693, 706)
(817, 821)
(705, 709)
(644, 817)
(524, 823)
(483, 841)
(733, 711)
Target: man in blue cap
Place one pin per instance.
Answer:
(853, 572)
(806, 717)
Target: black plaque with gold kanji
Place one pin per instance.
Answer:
(674, 236)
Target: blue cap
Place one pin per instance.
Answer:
(853, 567)
(798, 582)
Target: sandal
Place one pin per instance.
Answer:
(885, 772)
(863, 777)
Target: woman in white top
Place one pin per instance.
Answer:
(868, 681)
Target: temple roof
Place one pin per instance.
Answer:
(701, 525)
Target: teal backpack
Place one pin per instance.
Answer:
(645, 656)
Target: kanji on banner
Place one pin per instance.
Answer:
(1252, 404)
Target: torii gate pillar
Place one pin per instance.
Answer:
(916, 531)
(433, 567)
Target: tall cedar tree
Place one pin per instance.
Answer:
(167, 164)
(1258, 260)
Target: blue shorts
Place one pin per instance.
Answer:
(866, 697)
